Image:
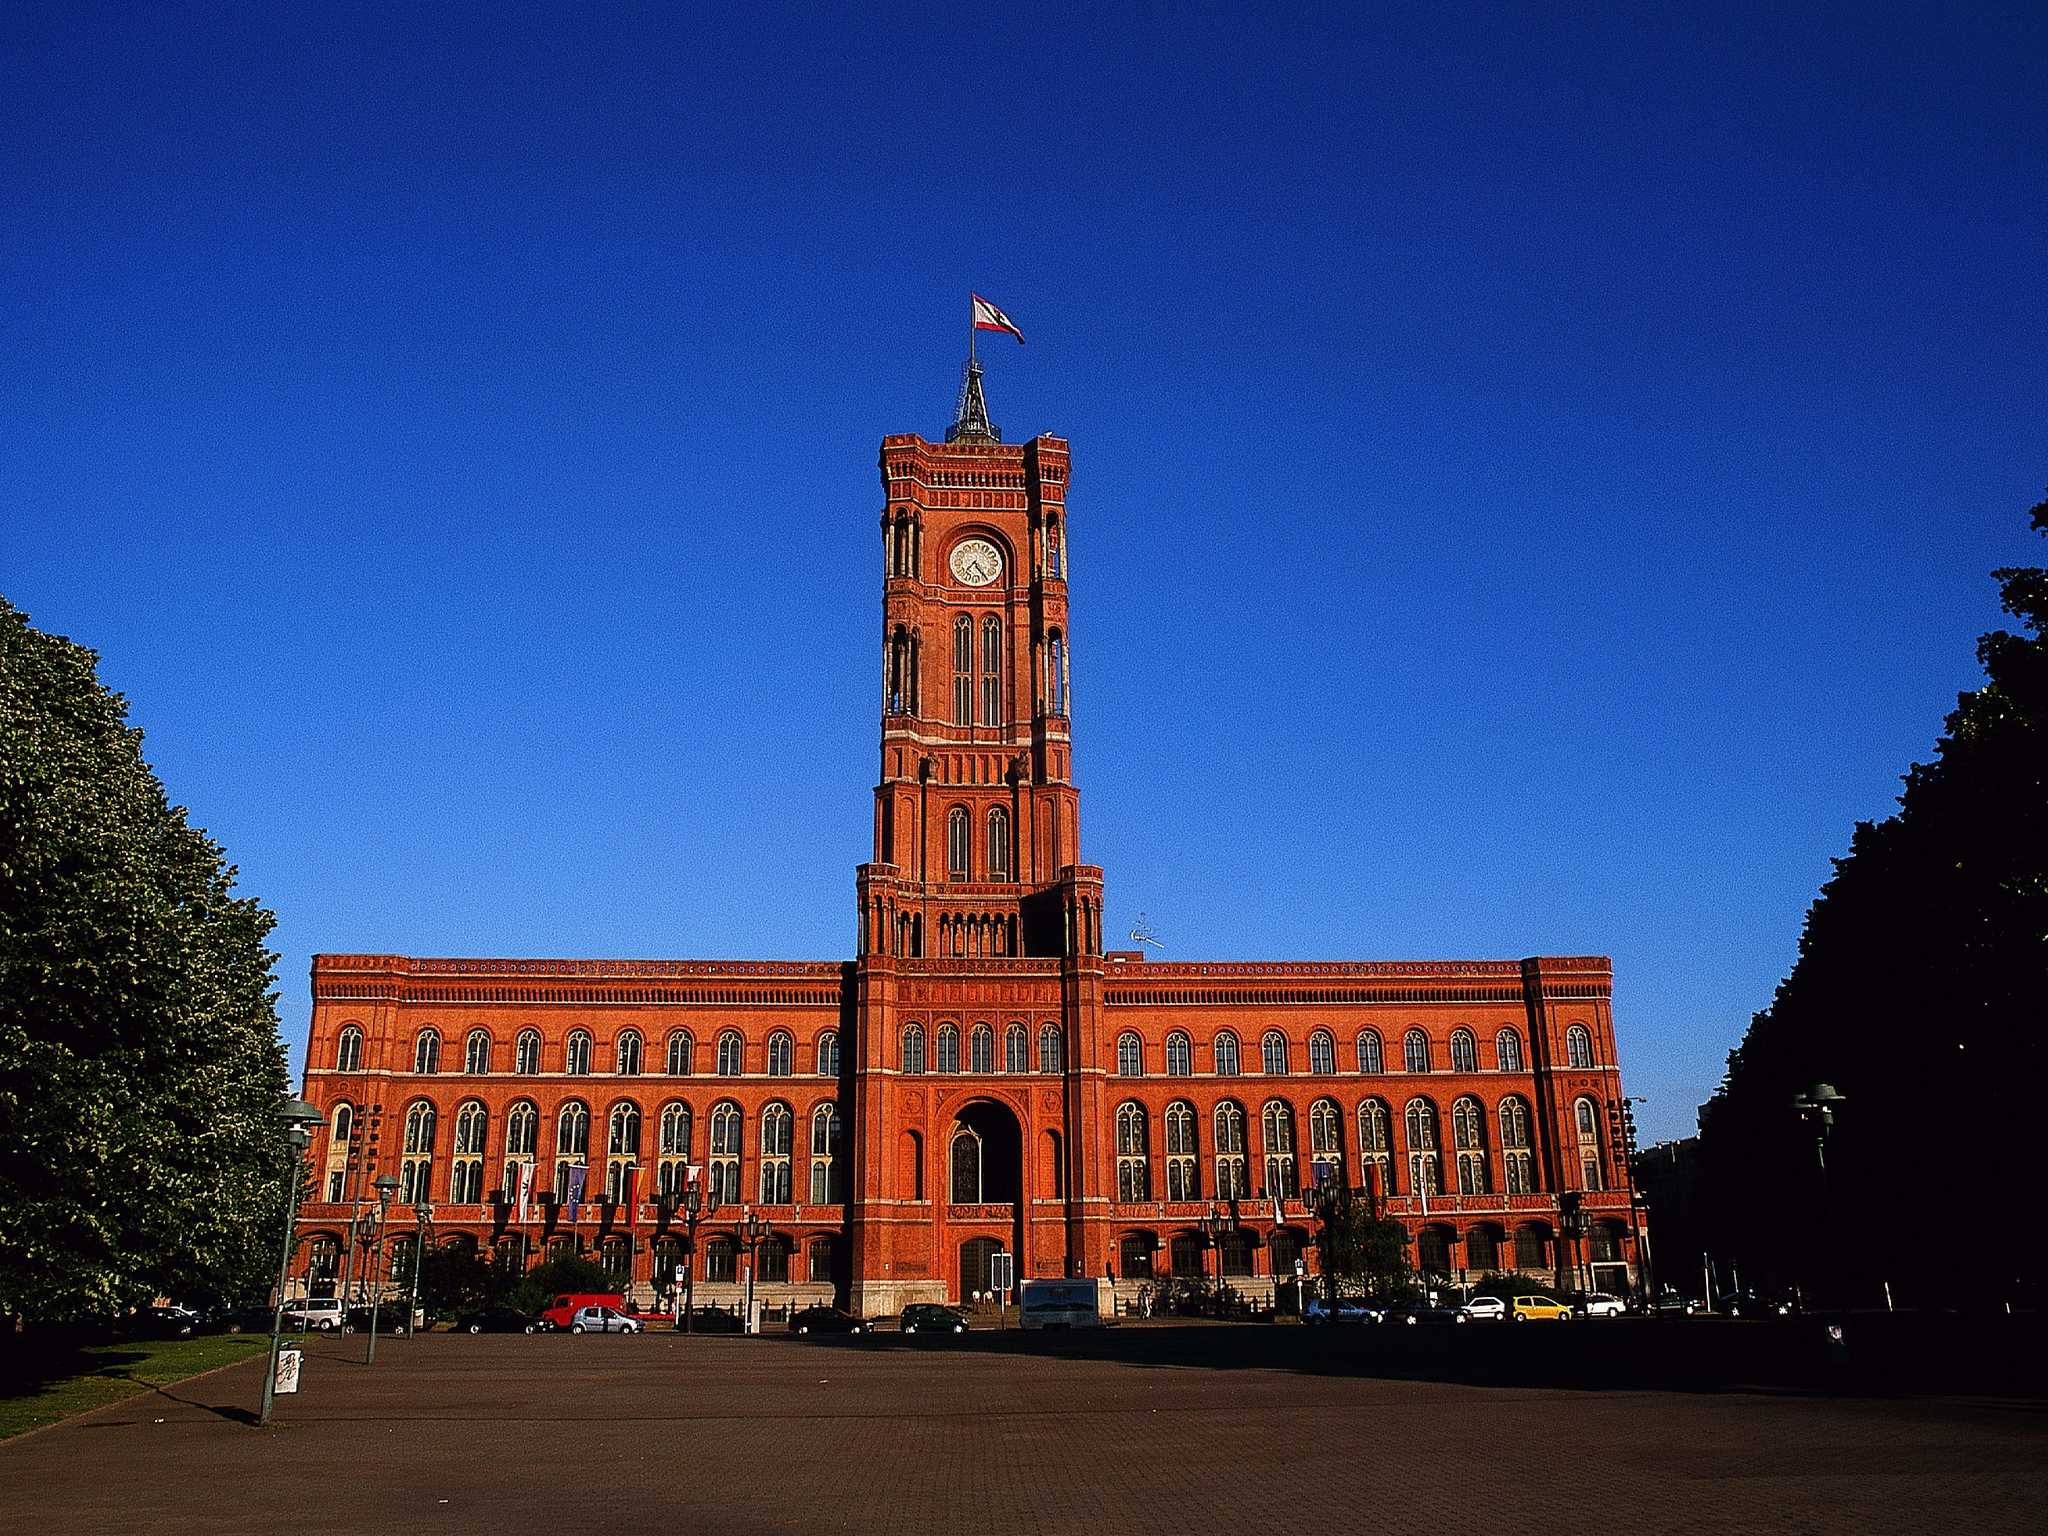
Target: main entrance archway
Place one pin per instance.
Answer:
(984, 1189)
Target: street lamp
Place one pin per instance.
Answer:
(1817, 1108)
(753, 1230)
(298, 1118)
(423, 1216)
(386, 1186)
(693, 1212)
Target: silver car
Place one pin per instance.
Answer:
(602, 1320)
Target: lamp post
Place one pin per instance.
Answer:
(1817, 1108)
(386, 1187)
(752, 1230)
(298, 1118)
(423, 1216)
(693, 1212)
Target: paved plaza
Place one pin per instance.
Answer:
(1183, 1430)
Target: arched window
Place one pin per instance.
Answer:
(781, 1054)
(1415, 1051)
(949, 1048)
(579, 1054)
(1180, 1057)
(1322, 1053)
(1231, 1183)
(965, 1158)
(982, 1054)
(348, 1050)
(998, 843)
(721, 1261)
(344, 1124)
(1507, 1051)
(415, 1170)
(1482, 1248)
(572, 1144)
(1055, 552)
(828, 1053)
(1369, 1057)
(1592, 1167)
(1133, 1158)
(1056, 674)
(1464, 1051)
(1183, 1167)
(731, 1054)
(963, 670)
(1376, 1146)
(1049, 1054)
(1424, 1170)
(622, 1153)
(341, 1133)
(1276, 1121)
(1226, 1054)
(826, 1188)
(776, 1125)
(1130, 1055)
(476, 1056)
(913, 1048)
(991, 670)
(677, 1128)
(1016, 1049)
(725, 1154)
(1515, 1156)
(1273, 1054)
(681, 1051)
(526, 1053)
(1578, 1046)
(522, 1143)
(426, 1051)
(957, 840)
(1468, 1137)
(466, 1176)
(1326, 1143)
(627, 1053)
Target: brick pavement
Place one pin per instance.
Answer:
(675, 1435)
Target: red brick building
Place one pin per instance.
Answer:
(981, 1076)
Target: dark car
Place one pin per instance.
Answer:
(1348, 1309)
(927, 1317)
(252, 1317)
(158, 1323)
(715, 1320)
(1750, 1304)
(390, 1319)
(826, 1320)
(1422, 1313)
(496, 1320)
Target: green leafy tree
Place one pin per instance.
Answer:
(1918, 990)
(454, 1279)
(1359, 1252)
(140, 1066)
(566, 1276)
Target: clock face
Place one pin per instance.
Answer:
(976, 562)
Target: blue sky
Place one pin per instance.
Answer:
(1535, 475)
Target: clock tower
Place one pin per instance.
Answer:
(978, 922)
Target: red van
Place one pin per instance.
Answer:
(556, 1315)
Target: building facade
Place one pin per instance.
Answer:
(982, 1076)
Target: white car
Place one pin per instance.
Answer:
(602, 1320)
(321, 1313)
(1600, 1304)
(1487, 1309)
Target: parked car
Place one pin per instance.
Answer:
(928, 1317)
(1750, 1304)
(1671, 1304)
(826, 1320)
(1600, 1304)
(496, 1320)
(158, 1323)
(1421, 1312)
(603, 1320)
(251, 1317)
(561, 1312)
(1543, 1309)
(392, 1317)
(323, 1314)
(715, 1320)
(1487, 1309)
(1349, 1309)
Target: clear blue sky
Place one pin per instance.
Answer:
(1535, 476)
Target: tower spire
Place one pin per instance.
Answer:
(970, 421)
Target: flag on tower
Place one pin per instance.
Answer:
(988, 318)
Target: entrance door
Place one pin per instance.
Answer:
(977, 1265)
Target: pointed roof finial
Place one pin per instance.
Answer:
(970, 421)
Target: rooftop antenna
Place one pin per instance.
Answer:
(1141, 933)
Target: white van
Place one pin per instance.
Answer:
(319, 1312)
(1060, 1304)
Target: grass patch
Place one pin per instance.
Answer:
(95, 1375)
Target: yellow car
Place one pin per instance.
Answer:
(1542, 1308)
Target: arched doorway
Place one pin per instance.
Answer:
(984, 1180)
(977, 1265)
